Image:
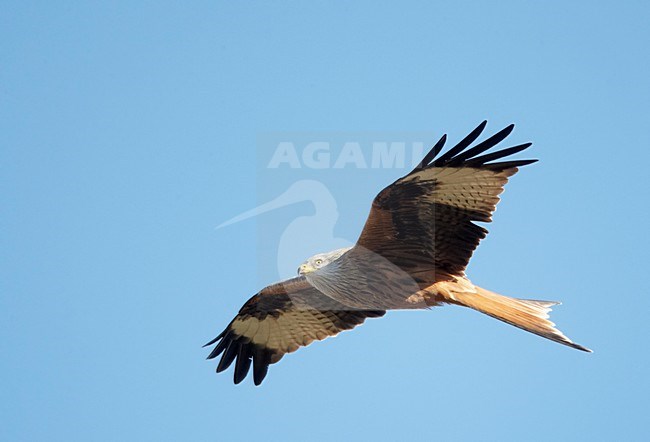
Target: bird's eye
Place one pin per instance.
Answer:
(318, 262)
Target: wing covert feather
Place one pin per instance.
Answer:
(425, 222)
(278, 320)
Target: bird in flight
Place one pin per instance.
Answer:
(412, 254)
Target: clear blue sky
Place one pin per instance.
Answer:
(129, 131)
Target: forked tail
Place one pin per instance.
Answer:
(527, 314)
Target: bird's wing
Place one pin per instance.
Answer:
(425, 222)
(278, 320)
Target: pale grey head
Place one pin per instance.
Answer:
(320, 260)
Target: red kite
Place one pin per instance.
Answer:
(412, 254)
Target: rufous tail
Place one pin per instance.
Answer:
(527, 314)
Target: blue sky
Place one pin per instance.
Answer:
(128, 132)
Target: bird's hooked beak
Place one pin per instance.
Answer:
(304, 269)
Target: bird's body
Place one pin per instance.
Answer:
(412, 254)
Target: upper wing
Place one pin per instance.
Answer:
(278, 320)
(424, 222)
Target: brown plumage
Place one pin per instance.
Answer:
(412, 253)
(278, 320)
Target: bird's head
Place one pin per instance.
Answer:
(321, 260)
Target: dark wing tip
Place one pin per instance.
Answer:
(215, 339)
(507, 164)
(580, 347)
(461, 156)
(229, 355)
(243, 364)
(221, 346)
(261, 362)
(244, 353)
(435, 150)
(462, 144)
